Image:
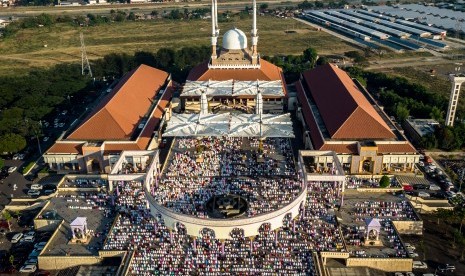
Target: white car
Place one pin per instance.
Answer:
(16, 238)
(450, 194)
(409, 274)
(28, 268)
(33, 192)
(28, 239)
(61, 124)
(11, 169)
(423, 194)
(419, 265)
(36, 187)
(412, 254)
(409, 246)
(45, 139)
(434, 187)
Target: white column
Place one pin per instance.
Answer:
(259, 102)
(203, 104)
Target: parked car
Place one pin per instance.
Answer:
(409, 246)
(45, 138)
(28, 239)
(31, 261)
(36, 186)
(12, 169)
(423, 194)
(30, 234)
(434, 187)
(419, 265)
(412, 254)
(33, 192)
(39, 246)
(28, 268)
(446, 267)
(450, 194)
(16, 238)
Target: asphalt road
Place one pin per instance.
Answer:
(147, 7)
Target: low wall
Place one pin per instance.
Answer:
(46, 225)
(384, 264)
(379, 190)
(22, 207)
(223, 227)
(409, 227)
(62, 262)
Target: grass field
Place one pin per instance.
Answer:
(27, 48)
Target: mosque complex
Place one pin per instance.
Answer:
(237, 174)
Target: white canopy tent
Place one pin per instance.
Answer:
(197, 125)
(233, 88)
(227, 124)
(264, 125)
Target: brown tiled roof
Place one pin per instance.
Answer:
(317, 139)
(119, 114)
(266, 72)
(341, 148)
(67, 148)
(346, 112)
(396, 148)
(154, 121)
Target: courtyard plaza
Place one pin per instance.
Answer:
(227, 166)
(287, 250)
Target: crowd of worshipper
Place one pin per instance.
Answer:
(228, 166)
(400, 210)
(287, 250)
(355, 236)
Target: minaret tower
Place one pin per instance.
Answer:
(254, 35)
(215, 30)
(457, 80)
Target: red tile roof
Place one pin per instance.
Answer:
(396, 148)
(118, 116)
(341, 148)
(346, 112)
(66, 148)
(266, 72)
(316, 137)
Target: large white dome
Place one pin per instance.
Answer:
(234, 39)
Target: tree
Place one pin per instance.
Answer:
(437, 114)
(12, 143)
(311, 56)
(384, 181)
(7, 216)
(402, 112)
(2, 163)
(264, 6)
(322, 61)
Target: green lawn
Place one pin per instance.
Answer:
(47, 46)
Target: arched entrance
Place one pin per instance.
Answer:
(93, 165)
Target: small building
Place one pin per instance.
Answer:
(415, 129)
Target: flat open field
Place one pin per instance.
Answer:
(27, 48)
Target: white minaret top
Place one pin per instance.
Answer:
(215, 32)
(254, 26)
(254, 34)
